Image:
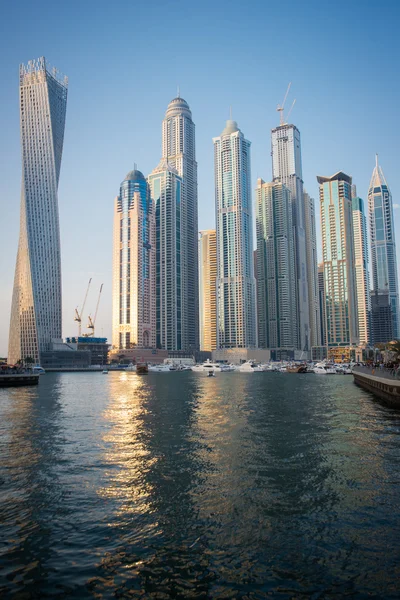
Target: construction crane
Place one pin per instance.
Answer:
(92, 322)
(281, 107)
(78, 315)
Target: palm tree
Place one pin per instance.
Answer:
(28, 360)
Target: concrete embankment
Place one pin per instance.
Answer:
(381, 383)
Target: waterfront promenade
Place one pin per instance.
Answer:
(382, 382)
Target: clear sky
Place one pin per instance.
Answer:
(125, 60)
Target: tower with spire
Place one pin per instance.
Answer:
(383, 244)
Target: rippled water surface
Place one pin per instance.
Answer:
(175, 485)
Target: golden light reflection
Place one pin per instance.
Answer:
(126, 454)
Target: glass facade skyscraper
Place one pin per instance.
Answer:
(134, 253)
(166, 193)
(178, 148)
(208, 289)
(312, 270)
(361, 269)
(287, 169)
(341, 325)
(36, 302)
(276, 268)
(383, 243)
(236, 326)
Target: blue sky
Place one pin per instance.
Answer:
(125, 60)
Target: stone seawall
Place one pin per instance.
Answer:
(386, 387)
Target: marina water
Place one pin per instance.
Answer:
(182, 486)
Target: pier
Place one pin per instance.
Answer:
(381, 382)
(18, 379)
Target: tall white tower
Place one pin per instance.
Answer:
(36, 302)
(361, 269)
(236, 327)
(178, 149)
(286, 168)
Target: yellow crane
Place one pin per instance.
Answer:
(78, 315)
(92, 322)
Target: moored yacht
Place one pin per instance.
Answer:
(211, 366)
(249, 367)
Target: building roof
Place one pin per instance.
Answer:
(231, 127)
(378, 179)
(339, 176)
(134, 175)
(178, 106)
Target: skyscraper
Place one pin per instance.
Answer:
(276, 268)
(208, 289)
(134, 254)
(338, 258)
(36, 301)
(178, 148)
(165, 190)
(322, 302)
(312, 272)
(383, 244)
(236, 326)
(361, 269)
(286, 168)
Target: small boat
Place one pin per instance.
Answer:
(160, 369)
(249, 367)
(105, 371)
(142, 369)
(38, 370)
(131, 367)
(297, 369)
(210, 374)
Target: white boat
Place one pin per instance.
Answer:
(38, 370)
(324, 369)
(159, 368)
(210, 366)
(249, 367)
(105, 372)
(131, 367)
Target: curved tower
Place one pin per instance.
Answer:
(36, 302)
(178, 149)
(383, 243)
(134, 307)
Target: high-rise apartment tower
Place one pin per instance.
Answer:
(276, 268)
(134, 254)
(166, 194)
(383, 243)
(178, 149)
(36, 302)
(208, 289)
(341, 325)
(361, 269)
(312, 270)
(236, 327)
(287, 169)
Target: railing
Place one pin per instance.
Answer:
(385, 373)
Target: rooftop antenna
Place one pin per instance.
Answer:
(179, 92)
(135, 166)
(280, 108)
(376, 160)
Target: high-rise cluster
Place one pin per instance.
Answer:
(155, 288)
(167, 281)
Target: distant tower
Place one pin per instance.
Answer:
(134, 265)
(178, 148)
(286, 169)
(339, 261)
(322, 301)
(166, 193)
(383, 244)
(235, 271)
(36, 303)
(208, 289)
(312, 270)
(276, 268)
(361, 269)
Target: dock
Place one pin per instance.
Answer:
(18, 379)
(381, 382)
